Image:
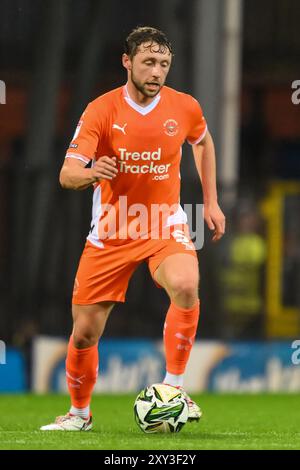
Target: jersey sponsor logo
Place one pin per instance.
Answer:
(171, 127)
(122, 129)
(127, 159)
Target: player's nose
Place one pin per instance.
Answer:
(156, 72)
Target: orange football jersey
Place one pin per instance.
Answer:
(147, 142)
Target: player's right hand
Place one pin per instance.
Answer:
(104, 168)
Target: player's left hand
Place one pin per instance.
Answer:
(215, 220)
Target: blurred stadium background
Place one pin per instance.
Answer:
(239, 58)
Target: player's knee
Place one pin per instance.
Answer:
(89, 323)
(84, 338)
(184, 289)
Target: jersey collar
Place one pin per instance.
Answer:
(140, 109)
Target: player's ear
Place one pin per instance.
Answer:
(126, 61)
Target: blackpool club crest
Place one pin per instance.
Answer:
(171, 127)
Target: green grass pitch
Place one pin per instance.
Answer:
(228, 422)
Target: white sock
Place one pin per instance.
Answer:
(174, 380)
(81, 412)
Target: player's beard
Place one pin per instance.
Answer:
(142, 87)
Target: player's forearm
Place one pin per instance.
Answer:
(205, 160)
(76, 178)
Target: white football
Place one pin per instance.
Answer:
(160, 408)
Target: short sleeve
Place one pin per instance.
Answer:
(197, 122)
(86, 138)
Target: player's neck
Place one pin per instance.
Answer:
(137, 96)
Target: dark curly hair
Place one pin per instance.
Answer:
(143, 34)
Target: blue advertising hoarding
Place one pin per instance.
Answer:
(128, 365)
(12, 372)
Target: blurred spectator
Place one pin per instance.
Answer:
(242, 274)
(291, 252)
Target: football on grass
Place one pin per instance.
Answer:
(160, 408)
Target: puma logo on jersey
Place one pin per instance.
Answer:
(122, 129)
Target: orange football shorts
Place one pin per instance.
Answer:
(103, 273)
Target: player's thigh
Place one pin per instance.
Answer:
(177, 272)
(90, 320)
(103, 274)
